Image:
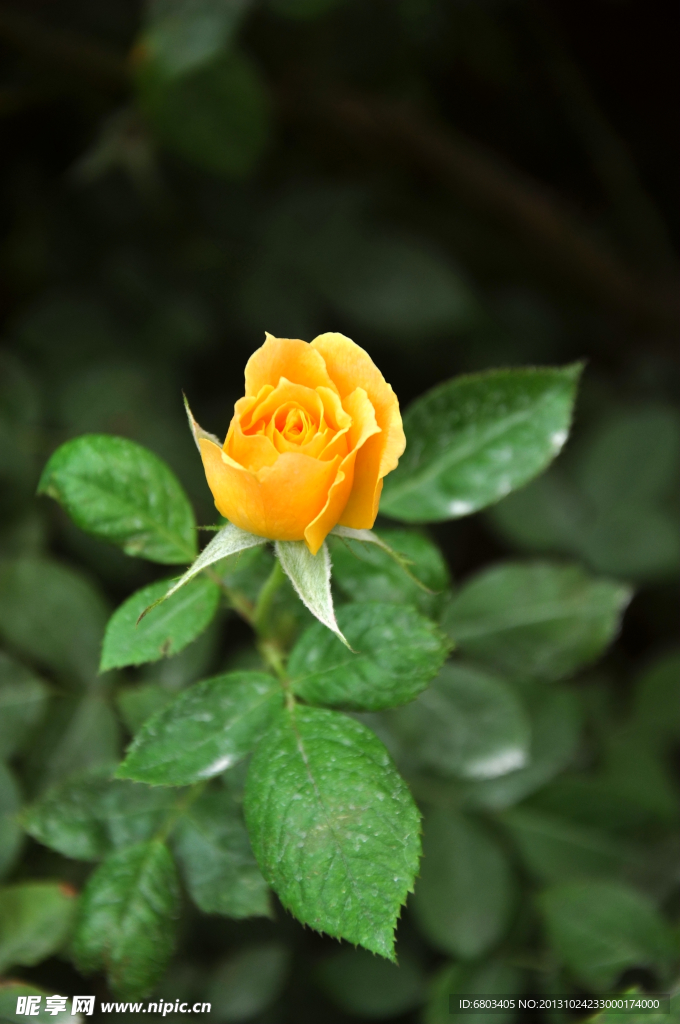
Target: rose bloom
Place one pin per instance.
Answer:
(309, 444)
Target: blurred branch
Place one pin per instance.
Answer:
(507, 195)
(78, 54)
(637, 216)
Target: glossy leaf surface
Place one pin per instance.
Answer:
(165, 630)
(204, 731)
(467, 723)
(88, 817)
(123, 493)
(539, 619)
(365, 572)
(212, 846)
(127, 918)
(474, 439)
(333, 826)
(394, 654)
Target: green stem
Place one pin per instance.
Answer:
(266, 597)
(237, 601)
(274, 657)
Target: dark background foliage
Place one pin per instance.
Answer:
(455, 184)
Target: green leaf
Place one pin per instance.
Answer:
(138, 703)
(365, 986)
(10, 830)
(636, 770)
(35, 921)
(23, 700)
(474, 439)
(127, 918)
(612, 503)
(600, 800)
(656, 704)
(601, 928)
(493, 978)
(467, 723)
(10, 992)
(465, 894)
(123, 493)
(539, 619)
(164, 631)
(397, 650)
(181, 35)
(229, 541)
(554, 849)
(193, 662)
(205, 730)
(333, 826)
(77, 734)
(395, 284)
(88, 817)
(555, 734)
(311, 576)
(366, 572)
(248, 981)
(213, 849)
(215, 116)
(54, 615)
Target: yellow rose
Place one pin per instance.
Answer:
(309, 443)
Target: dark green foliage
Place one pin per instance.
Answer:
(248, 981)
(10, 829)
(467, 723)
(121, 492)
(53, 615)
(36, 919)
(615, 506)
(334, 829)
(205, 730)
(166, 630)
(369, 987)
(23, 697)
(600, 928)
(555, 735)
(493, 978)
(215, 115)
(88, 817)
(475, 439)
(212, 846)
(127, 918)
(11, 991)
(538, 619)
(466, 891)
(441, 182)
(394, 654)
(363, 572)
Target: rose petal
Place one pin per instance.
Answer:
(351, 367)
(286, 357)
(364, 427)
(285, 393)
(252, 451)
(277, 502)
